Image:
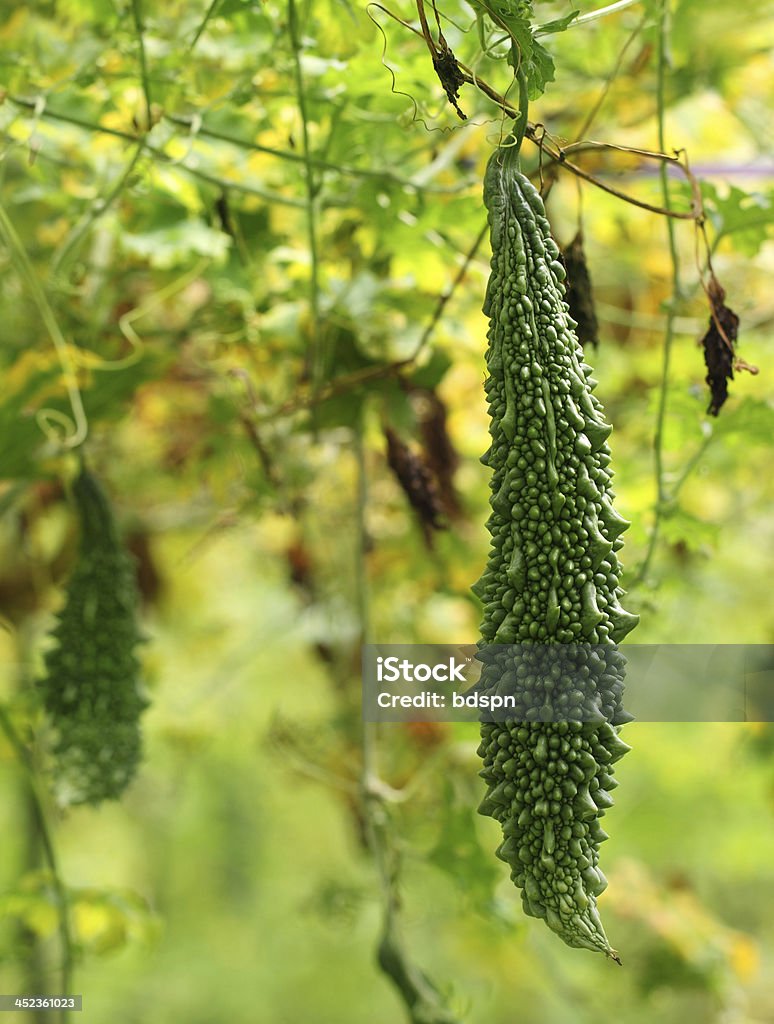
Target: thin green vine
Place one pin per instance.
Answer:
(603, 12)
(662, 496)
(317, 352)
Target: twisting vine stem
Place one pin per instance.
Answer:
(187, 122)
(536, 133)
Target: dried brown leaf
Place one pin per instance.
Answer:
(417, 483)
(579, 292)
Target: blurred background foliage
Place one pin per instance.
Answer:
(255, 225)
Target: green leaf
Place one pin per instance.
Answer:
(539, 70)
(558, 25)
(339, 411)
(751, 420)
(527, 54)
(397, 404)
(232, 122)
(514, 18)
(747, 217)
(20, 435)
(174, 245)
(458, 852)
(434, 370)
(679, 526)
(79, 103)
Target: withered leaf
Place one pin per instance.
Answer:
(579, 293)
(448, 70)
(718, 344)
(417, 483)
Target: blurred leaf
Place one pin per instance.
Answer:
(681, 527)
(32, 903)
(457, 851)
(340, 411)
(398, 408)
(747, 217)
(105, 920)
(430, 374)
(557, 25)
(174, 245)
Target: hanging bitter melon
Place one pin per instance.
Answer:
(552, 576)
(91, 689)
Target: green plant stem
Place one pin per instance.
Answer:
(423, 1002)
(12, 144)
(532, 133)
(662, 497)
(49, 852)
(521, 128)
(316, 363)
(138, 27)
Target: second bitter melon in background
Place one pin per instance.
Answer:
(552, 575)
(91, 688)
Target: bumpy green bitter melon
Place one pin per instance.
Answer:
(91, 688)
(552, 576)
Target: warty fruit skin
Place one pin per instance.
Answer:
(552, 577)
